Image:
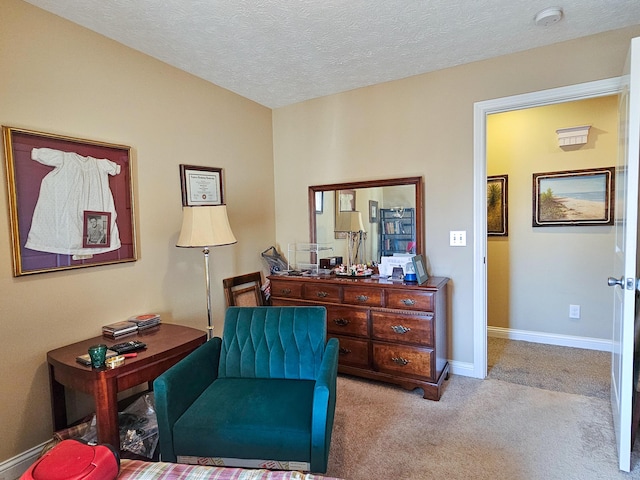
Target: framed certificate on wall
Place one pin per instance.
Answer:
(201, 186)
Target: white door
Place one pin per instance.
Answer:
(626, 256)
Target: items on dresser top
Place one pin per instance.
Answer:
(389, 331)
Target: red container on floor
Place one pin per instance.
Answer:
(74, 460)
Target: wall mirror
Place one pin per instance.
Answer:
(389, 210)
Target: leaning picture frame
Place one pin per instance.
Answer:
(420, 267)
(201, 186)
(574, 198)
(51, 202)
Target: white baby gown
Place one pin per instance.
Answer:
(75, 185)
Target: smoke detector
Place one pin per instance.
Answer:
(548, 16)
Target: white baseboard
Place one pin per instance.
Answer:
(461, 368)
(551, 339)
(14, 467)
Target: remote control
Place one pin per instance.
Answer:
(125, 347)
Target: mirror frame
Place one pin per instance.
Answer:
(387, 182)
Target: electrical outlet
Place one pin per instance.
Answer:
(458, 238)
(574, 311)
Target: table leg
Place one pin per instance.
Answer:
(106, 399)
(58, 402)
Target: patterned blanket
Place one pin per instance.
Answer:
(139, 470)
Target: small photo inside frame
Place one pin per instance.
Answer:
(201, 186)
(497, 198)
(49, 235)
(420, 267)
(574, 198)
(97, 229)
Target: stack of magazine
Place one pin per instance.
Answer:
(131, 325)
(147, 320)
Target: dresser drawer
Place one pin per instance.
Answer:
(281, 288)
(404, 360)
(353, 352)
(357, 295)
(396, 327)
(410, 300)
(348, 321)
(321, 292)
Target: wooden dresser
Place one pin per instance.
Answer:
(388, 331)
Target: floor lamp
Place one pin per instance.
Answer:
(205, 227)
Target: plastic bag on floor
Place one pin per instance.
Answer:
(139, 427)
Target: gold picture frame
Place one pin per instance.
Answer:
(56, 184)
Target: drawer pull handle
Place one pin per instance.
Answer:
(344, 351)
(399, 361)
(362, 298)
(342, 322)
(285, 291)
(401, 329)
(322, 294)
(408, 302)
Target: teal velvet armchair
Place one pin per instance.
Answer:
(262, 396)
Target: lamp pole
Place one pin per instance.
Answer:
(208, 286)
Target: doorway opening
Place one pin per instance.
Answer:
(481, 112)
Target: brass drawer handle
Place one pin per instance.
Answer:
(408, 302)
(322, 294)
(362, 298)
(399, 361)
(344, 351)
(285, 291)
(343, 322)
(401, 329)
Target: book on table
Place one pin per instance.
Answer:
(119, 328)
(146, 320)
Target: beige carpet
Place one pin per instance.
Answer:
(480, 429)
(561, 369)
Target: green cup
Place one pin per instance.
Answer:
(98, 355)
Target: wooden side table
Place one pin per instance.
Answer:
(166, 345)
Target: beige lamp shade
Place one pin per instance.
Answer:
(350, 222)
(205, 227)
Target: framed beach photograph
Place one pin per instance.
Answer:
(201, 186)
(497, 197)
(574, 198)
(70, 202)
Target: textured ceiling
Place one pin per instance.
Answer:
(279, 52)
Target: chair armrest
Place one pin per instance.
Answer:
(177, 388)
(324, 406)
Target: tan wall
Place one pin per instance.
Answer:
(60, 78)
(534, 274)
(423, 125)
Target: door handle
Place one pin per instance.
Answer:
(612, 282)
(630, 283)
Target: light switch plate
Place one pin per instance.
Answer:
(458, 238)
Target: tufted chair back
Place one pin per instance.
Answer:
(273, 342)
